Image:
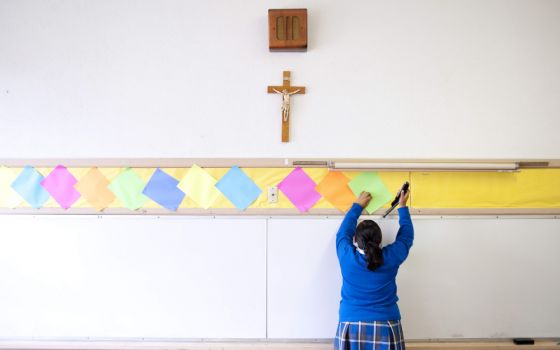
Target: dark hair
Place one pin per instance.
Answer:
(368, 237)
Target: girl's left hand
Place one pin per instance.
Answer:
(364, 199)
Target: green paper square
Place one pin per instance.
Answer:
(128, 187)
(372, 183)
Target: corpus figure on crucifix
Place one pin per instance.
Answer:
(286, 102)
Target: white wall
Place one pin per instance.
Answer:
(123, 78)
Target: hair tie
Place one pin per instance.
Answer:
(358, 249)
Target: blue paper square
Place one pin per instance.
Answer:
(162, 189)
(28, 185)
(238, 188)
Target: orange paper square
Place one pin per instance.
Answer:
(334, 187)
(93, 187)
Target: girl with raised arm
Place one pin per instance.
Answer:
(369, 318)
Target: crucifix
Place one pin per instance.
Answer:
(286, 90)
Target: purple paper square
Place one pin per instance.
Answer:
(162, 189)
(60, 184)
(300, 189)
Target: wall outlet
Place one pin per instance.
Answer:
(273, 194)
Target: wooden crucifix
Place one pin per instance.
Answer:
(286, 90)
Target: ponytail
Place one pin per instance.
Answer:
(374, 255)
(368, 236)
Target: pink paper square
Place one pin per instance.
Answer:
(300, 189)
(60, 185)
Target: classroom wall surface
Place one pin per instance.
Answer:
(385, 79)
(187, 79)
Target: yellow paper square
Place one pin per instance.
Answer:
(9, 198)
(199, 186)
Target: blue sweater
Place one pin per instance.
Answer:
(370, 295)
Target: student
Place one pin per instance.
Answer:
(369, 318)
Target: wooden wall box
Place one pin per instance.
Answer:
(287, 29)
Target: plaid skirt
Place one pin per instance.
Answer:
(377, 335)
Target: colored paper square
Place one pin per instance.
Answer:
(334, 188)
(162, 189)
(128, 187)
(372, 183)
(9, 198)
(199, 186)
(93, 186)
(60, 184)
(300, 189)
(238, 188)
(28, 186)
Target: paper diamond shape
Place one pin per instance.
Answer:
(60, 184)
(200, 186)
(9, 198)
(93, 186)
(371, 182)
(162, 188)
(28, 186)
(238, 188)
(300, 189)
(128, 187)
(334, 188)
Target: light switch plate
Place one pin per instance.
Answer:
(273, 194)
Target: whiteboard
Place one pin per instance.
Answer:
(132, 277)
(180, 277)
(464, 278)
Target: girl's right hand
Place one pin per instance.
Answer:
(404, 198)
